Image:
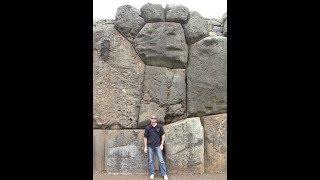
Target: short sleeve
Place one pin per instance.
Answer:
(161, 131)
(146, 133)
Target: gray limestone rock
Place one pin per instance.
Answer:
(117, 80)
(128, 21)
(152, 12)
(215, 142)
(124, 152)
(184, 146)
(176, 13)
(207, 77)
(196, 28)
(163, 89)
(162, 44)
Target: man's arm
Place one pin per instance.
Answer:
(146, 134)
(162, 139)
(145, 142)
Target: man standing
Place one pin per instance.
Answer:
(153, 144)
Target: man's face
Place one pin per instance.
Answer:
(153, 119)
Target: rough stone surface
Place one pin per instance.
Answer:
(156, 84)
(163, 88)
(95, 125)
(162, 44)
(124, 152)
(207, 77)
(98, 151)
(215, 142)
(152, 12)
(117, 79)
(196, 28)
(176, 13)
(148, 109)
(184, 146)
(128, 21)
(177, 97)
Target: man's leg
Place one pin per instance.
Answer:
(162, 165)
(150, 158)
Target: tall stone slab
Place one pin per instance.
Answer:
(207, 77)
(164, 95)
(215, 143)
(118, 74)
(184, 146)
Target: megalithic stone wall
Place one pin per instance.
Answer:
(168, 61)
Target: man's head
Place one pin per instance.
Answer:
(153, 119)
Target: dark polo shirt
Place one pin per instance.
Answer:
(153, 135)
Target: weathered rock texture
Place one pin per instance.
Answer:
(160, 62)
(215, 143)
(98, 151)
(124, 152)
(152, 12)
(162, 44)
(185, 146)
(196, 28)
(207, 77)
(129, 21)
(164, 94)
(176, 13)
(117, 80)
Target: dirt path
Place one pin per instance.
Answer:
(158, 177)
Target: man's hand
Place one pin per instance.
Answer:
(145, 149)
(161, 147)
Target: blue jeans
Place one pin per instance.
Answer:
(162, 164)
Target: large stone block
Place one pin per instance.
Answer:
(98, 151)
(196, 28)
(176, 13)
(164, 94)
(124, 152)
(162, 44)
(215, 142)
(152, 12)
(117, 79)
(128, 21)
(184, 146)
(207, 77)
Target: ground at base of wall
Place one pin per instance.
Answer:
(158, 177)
